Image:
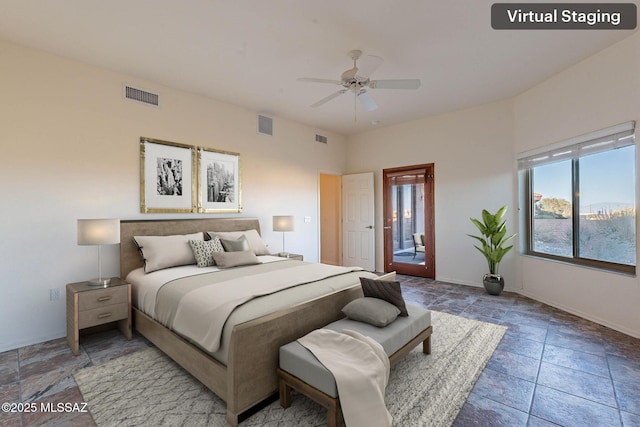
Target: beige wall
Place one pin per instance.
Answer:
(472, 152)
(475, 153)
(69, 146)
(601, 91)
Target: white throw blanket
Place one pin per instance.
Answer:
(361, 370)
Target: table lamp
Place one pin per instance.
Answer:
(98, 232)
(283, 223)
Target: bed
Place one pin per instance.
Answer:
(246, 375)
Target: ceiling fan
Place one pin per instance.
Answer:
(357, 80)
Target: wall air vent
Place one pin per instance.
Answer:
(265, 125)
(141, 95)
(320, 138)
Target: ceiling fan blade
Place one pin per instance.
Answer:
(329, 98)
(395, 84)
(367, 65)
(313, 80)
(367, 101)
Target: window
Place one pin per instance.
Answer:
(580, 200)
(407, 195)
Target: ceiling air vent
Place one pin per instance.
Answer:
(265, 125)
(141, 95)
(320, 138)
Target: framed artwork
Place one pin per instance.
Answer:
(167, 176)
(219, 181)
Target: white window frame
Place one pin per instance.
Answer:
(618, 136)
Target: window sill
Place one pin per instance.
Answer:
(623, 270)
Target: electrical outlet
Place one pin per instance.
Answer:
(307, 219)
(54, 294)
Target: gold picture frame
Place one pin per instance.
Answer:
(219, 181)
(167, 177)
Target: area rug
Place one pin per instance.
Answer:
(147, 388)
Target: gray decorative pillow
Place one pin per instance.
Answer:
(235, 245)
(203, 250)
(387, 290)
(373, 311)
(234, 259)
(253, 237)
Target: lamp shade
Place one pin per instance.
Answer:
(283, 223)
(98, 231)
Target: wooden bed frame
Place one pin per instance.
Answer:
(250, 374)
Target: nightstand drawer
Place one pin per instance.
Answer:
(89, 306)
(98, 316)
(103, 298)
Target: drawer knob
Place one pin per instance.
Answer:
(105, 298)
(104, 315)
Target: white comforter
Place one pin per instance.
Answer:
(147, 285)
(145, 288)
(202, 313)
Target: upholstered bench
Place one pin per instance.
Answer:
(300, 370)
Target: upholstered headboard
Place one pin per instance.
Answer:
(130, 258)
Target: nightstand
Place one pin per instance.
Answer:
(297, 257)
(89, 306)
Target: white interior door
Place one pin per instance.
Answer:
(358, 221)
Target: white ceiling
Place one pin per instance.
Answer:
(250, 52)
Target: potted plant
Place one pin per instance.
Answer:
(493, 238)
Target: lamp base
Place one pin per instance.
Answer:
(99, 282)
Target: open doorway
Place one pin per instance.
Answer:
(347, 219)
(409, 238)
(330, 219)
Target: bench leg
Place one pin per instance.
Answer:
(426, 345)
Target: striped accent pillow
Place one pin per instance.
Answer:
(387, 290)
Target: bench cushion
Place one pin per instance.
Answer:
(300, 362)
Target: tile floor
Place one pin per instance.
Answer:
(551, 368)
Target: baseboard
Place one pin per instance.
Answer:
(15, 345)
(579, 313)
(37, 340)
(459, 282)
(552, 304)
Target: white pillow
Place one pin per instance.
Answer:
(166, 251)
(255, 242)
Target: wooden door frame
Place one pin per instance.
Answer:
(429, 269)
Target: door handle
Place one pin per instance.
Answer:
(369, 227)
(387, 228)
